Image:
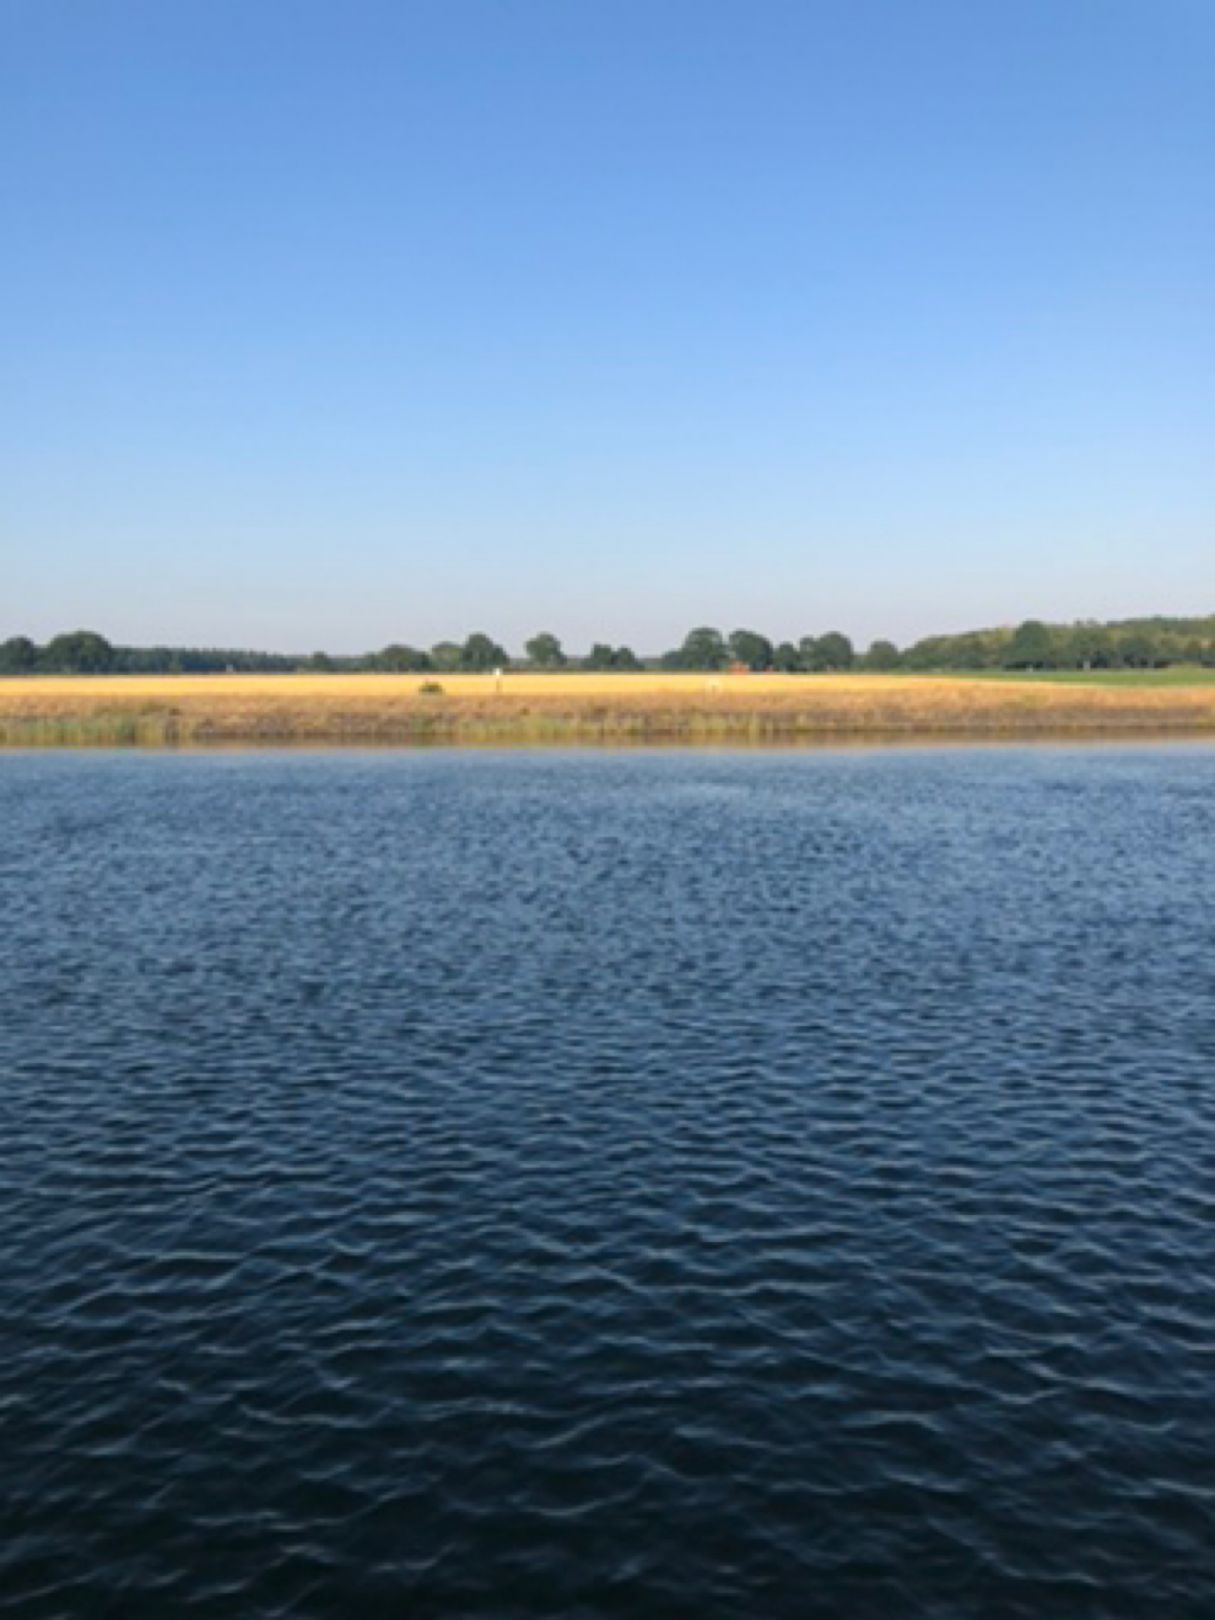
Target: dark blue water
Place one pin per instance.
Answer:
(706, 1185)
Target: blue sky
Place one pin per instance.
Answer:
(335, 322)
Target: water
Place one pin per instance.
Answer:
(650, 1184)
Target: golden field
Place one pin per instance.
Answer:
(358, 688)
(577, 707)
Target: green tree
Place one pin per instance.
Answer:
(786, 658)
(750, 648)
(545, 651)
(604, 656)
(1140, 650)
(925, 653)
(882, 655)
(1191, 651)
(704, 648)
(446, 655)
(1032, 647)
(1087, 646)
(79, 652)
(401, 658)
(836, 651)
(973, 650)
(17, 655)
(481, 652)
(832, 651)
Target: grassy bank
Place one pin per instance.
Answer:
(167, 711)
(1173, 675)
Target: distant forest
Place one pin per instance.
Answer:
(1126, 644)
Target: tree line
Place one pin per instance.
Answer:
(1150, 643)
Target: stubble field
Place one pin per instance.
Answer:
(167, 710)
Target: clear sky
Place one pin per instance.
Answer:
(336, 322)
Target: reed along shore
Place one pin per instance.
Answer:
(574, 708)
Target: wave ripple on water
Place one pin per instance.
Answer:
(587, 1185)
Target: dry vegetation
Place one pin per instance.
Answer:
(575, 707)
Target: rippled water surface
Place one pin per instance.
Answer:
(650, 1184)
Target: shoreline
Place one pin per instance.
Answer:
(810, 743)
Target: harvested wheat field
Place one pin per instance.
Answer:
(576, 708)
